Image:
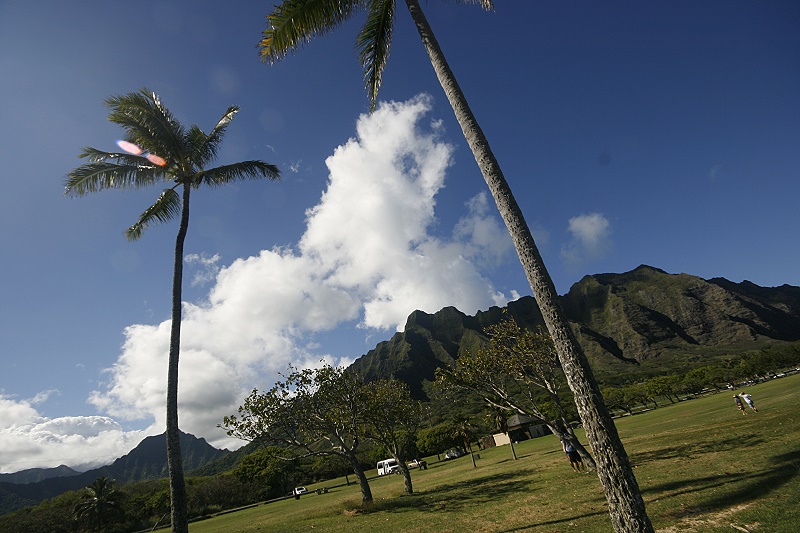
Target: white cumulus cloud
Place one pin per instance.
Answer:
(590, 238)
(206, 268)
(366, 260)
(29, 440)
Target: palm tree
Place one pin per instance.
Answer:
(103, 503)
(498, 420)
(464, 431)
(176, 156)
(296, 21)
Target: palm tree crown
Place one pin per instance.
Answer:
(181, 157)
(295, 22)
(102, 504)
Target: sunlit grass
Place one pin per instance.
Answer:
(701, 465)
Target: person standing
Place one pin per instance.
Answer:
(739, 404)
(749, 401)
(572, 454)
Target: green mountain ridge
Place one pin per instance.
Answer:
(32, 475)
(632, 322)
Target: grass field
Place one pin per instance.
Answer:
(702, 467)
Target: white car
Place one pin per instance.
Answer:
(299, 490)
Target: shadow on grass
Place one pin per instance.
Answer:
(456, 497)
(752, 487)
(689, 450)
(749, 487)
(554, 522)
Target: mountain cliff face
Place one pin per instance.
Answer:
(646, 313)
(638, 316)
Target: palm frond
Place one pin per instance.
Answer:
(295, 22)
(167, 207)
(244, 170)
(213, 139)
(195, 142)
(487, 5)
(94, 155)
(148, 123)
(94, 177)
(373, 44)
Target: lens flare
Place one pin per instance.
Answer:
(130, 147)
(135, 149)
(153, 158)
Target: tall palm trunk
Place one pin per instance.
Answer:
(625, 503)
(177, 485)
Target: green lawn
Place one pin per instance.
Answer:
(702, 466)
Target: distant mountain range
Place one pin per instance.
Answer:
(32, 475)
(147, 461)
(639, 321)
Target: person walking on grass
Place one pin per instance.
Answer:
(739, 404)
(749, 401)
(572, 454)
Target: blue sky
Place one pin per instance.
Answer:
(631, 133)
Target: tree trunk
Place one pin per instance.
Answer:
(625, 504)
(177, 485)
(471, 454)
(366, 492)
(407, 485)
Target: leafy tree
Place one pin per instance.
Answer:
(697, 379)
(663, 386)
(329, 467)
(102, 504)
(313, 412)
(764, 362)
(436, 439)
(511, 373)
(615, 397)
(295, 22)
(393, 419)
(178, 157)
(637, 394)
(269, 467)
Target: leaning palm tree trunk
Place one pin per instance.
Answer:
(625, 502)
(177, 485)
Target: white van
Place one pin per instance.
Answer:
(388, 466)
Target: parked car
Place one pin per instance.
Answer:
(453, 453)
(418, 463)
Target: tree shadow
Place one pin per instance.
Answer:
(689, 450)
(455, 497)
(565, 520)
(754, 486)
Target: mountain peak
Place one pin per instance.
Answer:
(148, 460)
(620, 318)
